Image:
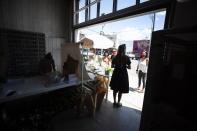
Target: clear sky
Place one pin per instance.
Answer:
(127, 29)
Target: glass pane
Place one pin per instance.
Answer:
(106, 7)
(82, 16)
(125, 3)
(141, 1)
(92, 1)
(160, 20)
(93, 11)
(81, 3)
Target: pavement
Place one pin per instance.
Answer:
(133, 99)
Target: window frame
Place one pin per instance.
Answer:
(139, 9)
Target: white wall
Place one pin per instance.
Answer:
(54, 46)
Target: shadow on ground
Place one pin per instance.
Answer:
(133, 89)
(107, 118)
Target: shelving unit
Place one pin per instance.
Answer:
(23, 51)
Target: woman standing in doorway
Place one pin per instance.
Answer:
(119, 81)
(142, 70)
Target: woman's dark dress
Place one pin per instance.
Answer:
(120, 81)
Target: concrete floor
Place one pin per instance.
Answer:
(108, 118)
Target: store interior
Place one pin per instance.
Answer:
(49, 78)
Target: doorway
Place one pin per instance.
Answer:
(127, 31)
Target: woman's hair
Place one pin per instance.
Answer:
(120, 54)
(121, 50)
(145, 53)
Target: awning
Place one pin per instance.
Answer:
(100, 41)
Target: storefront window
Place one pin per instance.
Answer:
(141, 1)
(159, 20)
(81, 3)
(125, 3)
(93, 10)
(82, 16)
(106, 7)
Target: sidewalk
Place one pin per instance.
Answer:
(133, 99)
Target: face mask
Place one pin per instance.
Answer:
(143, 55)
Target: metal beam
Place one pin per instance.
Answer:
(87, 6)
(89, 11)
(141, 9)
(170, 10)
(114, 5)
(71, 21)
(98, 9)
(86, 10)
(77, 14)
(137, 2)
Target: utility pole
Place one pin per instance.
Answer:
(152, 17)
(153, 22)
(102, 32)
